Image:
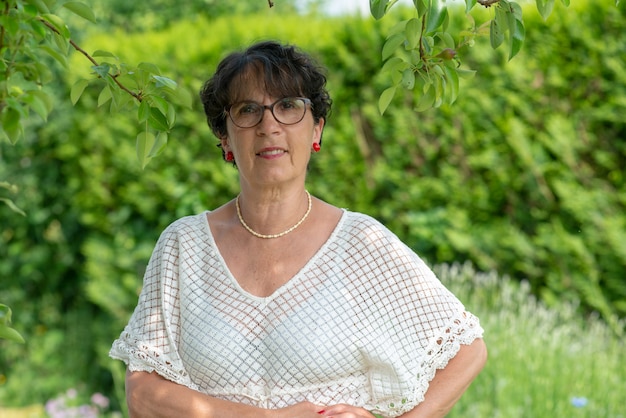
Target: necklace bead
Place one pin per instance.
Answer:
(270, 236)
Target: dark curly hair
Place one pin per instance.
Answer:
(285, 70)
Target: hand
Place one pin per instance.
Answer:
(345, 411)
(300, 410)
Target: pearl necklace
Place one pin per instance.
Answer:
(256, 234)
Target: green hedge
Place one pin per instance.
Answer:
(524, 175)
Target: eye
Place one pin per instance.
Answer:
(246, 109)
(290, 103)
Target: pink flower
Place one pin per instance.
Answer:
(100, 400)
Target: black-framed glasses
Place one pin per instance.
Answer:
(288, 111)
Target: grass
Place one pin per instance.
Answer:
(543, 362)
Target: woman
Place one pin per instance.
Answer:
(278, 304)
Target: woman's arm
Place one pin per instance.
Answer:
(451, 382)
(151, 396)
(444, 390)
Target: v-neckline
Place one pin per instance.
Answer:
(292, 281)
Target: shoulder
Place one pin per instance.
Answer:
(190, 227)
(367, 228)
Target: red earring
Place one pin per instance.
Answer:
(316, 147)
(229, 157)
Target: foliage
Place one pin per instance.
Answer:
(32, 32)
(5, 325)
(138, 16)
(421, 52)
(543, 362)
(524, 175)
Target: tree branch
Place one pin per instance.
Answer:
(92, 60)
(487, 3)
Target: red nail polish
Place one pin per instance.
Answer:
(322, 411)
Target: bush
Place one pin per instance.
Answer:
(523, 175)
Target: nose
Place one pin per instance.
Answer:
(268, 120)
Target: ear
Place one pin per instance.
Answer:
(224, 143)
(317, 131)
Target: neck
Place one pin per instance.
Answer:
(282, 233)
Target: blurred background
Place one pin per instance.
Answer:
(515, 194)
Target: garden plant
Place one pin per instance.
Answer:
(522, 177)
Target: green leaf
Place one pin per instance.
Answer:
(62, 43)
(104, 96)
(378, 8)
(385, 99)
(469, 5)
(408, 79)
(517, 38)
(157, 120)
(159, 102)
(101, 53)
(81, 9)
(517, 32)
(465, 74)
(41, 6)
(39, 29)
(437, 14)
(427, 99)
(77, 90)
(399, 27)
(452, 84)
(149, 68)
(145, 142)
(413, 33)
(45, 74)
(6, 331)
(102, 70)
(40, 103)
(5, 315)
(60, 58)
(159, 144)
(12, 206)
(447, 39)
(496, 32)
(143, 113)
(10, 334)
(11, 124)
(545, 8)
(421, 6)
(58, 24)
(171, 116)
(164, 82)
(10, 187)
(391, 44)
(182, 96)
(392, 64)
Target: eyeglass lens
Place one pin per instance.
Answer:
(288, 111)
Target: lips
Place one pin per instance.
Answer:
(271, 152)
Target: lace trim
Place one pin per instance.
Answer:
(464, 329)
(140, 357)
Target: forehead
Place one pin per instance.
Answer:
(255, 80)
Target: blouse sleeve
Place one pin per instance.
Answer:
(424, 323)
(150, 340)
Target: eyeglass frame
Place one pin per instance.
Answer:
(270, 107)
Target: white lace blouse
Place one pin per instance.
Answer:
(365, 322)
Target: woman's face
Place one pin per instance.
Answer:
(271, 154)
